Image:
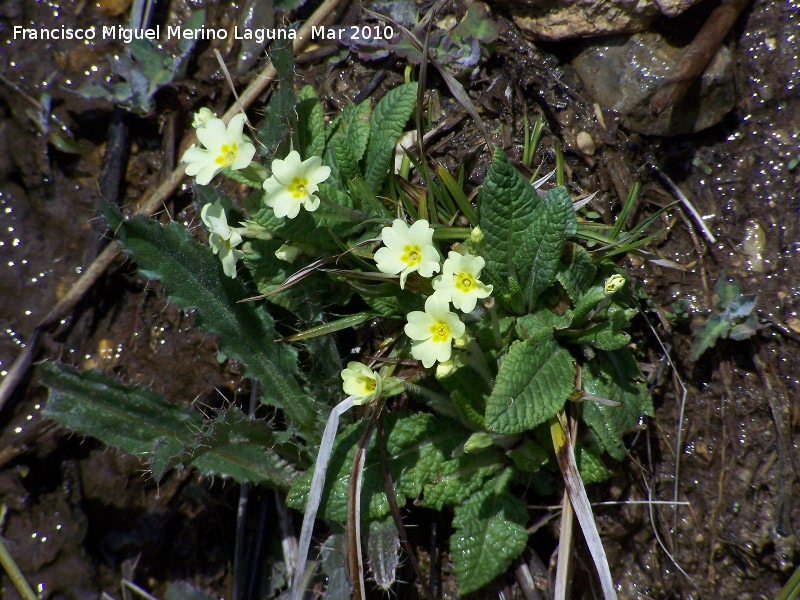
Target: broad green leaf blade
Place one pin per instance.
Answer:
(506, 205)
(277, 117)
(349, 140)
(490, 532)
(232, 445)
(416, 447)
(591, 467)
(603, 336)
(310, 123)
(538, 253)
(193, 278)
(615, 376)
(467, 392)
(141, 422)
(578, 274)
(533, 383)
(459, 478)
(386, 124)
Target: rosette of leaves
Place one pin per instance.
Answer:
(732, 317)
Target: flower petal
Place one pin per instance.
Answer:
(213, 135)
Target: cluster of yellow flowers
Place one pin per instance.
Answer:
(409, 249)
(293, 183)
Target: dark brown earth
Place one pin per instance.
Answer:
(80, 517)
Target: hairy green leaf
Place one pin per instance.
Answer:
(490, 532)
(193, 278)
(591, 468)
(533, 383)
(615, 376)
(139, 421)
(386, 124)
(537, 253)
(506, 205)
(278, 116)
(310, 123)
(578, 274)
(459, 478)
(416, 447)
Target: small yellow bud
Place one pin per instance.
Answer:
(614, 283)
(462, 342)
(445, 369)
(476, 235)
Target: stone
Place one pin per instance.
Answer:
(673, 8)
(623, 73)
(553, 20)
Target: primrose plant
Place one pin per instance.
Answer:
(494, 323)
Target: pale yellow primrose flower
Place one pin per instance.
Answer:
(294, 183)
(224, 147)
(222, 239)
(432, 331)
(407, 249)
(459, 281)
(362, 382)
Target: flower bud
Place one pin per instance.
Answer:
(288, 253)
(477, 442)
(462, 341)
(476, 235)
(445, 369)
(614, 283)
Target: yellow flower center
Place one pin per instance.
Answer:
(298, 187)
(369, 385)
(465, 282)
(440, 331)
(412, 255)
(227, 154)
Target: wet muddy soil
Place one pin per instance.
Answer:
(719, 456)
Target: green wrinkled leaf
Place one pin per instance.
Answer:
(490, 532)
(603, 336)
(230, 446)
(193, 278)
(590, 466)
(416, 446)
(280, 110)
(578, 274)
(467, 390)
(506, 205)
(533, 383)
(351, 130)
(139, 421)
(459, 478)
(529, 456)
(310, 123)
(538, 252)
(615, 376)
(386, 124)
